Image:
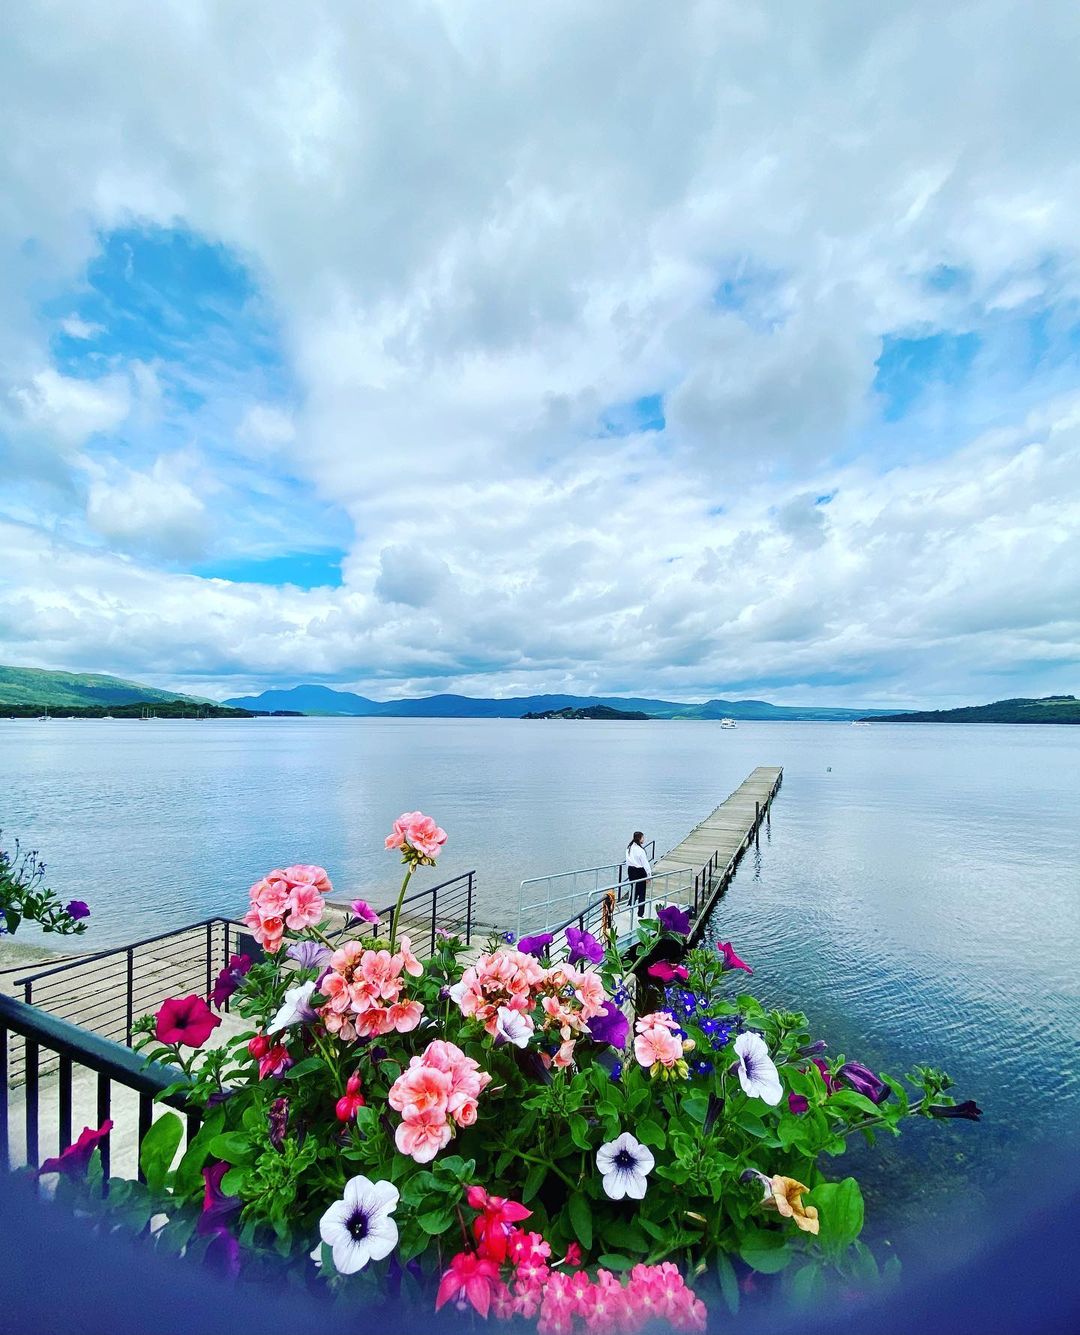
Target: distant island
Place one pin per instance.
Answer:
(1050, 709)
(592, 712)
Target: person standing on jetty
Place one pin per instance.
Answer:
(638, 870)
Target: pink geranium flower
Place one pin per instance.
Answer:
(423, 1136)
(305, 874)
(305, 907)
(186, 1021)
(656, 1044)
(415, 833)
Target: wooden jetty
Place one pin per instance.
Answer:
(713, 848)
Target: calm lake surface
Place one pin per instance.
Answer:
(917, 892)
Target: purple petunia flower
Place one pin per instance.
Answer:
(223, 1253)
(610, 1026)
(798, 1104)
(217, 1207)
(229, 979)
(308, 954)
(278, 1121)
(863, 1081)
(535, 945)
(969, 1109)
(77, 909)
(675, 920)
(583, 947)
(813, 1049)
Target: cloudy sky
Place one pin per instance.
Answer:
(610, 347)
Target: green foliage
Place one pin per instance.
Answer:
(717, 1149)
(24, 897)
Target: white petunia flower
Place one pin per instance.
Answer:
(358, 1228)
(757, 1072)
(624, 1163)
(296, 1009)
(513, 1027)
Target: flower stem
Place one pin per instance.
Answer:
(397, 910)
(537, 1158)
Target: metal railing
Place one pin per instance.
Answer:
(108, 991)
(87, 1067)
(583, 882)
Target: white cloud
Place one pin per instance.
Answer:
(75, 327)
(155, 512)
(731, 209)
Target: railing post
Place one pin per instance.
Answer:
(130, 994)
(468, 911)
(209, 958)
(5, 1158)
(434, 906)
(30, 1048)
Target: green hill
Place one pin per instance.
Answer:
(1050, 709)
(33, 686)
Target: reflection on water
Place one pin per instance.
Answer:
(916, 892)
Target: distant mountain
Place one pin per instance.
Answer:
(326, 701)
(590, 712)
(1050, 709)
(33, 686)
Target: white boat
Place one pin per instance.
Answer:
(728, 723)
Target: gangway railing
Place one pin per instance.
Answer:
(539, 896)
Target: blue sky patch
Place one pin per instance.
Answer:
(307, 570)
(909, 367)
(627, 419)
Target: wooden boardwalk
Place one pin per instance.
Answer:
(713, 848)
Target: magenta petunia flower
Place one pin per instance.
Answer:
(74, 1161)
(217, 1207)
(362, 909)
(667, 973)
(731, 960)
(185, 1020)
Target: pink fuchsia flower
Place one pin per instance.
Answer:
(756, 1070)
(275, 1061)
(350, 1101)
(470, 1281)
(731, 960)
(229, 979)
(497, 1221)
(573, 1256)
(418, 837)
(74, 1161)
(667, 973)
(361, 909)
(186, 1021)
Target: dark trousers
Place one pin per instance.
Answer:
(637, 889)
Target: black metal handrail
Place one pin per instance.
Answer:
(107, 991)
(75, 1047)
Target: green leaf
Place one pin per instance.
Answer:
(233, 1147)
(765, 1251)
(304, 1067)
(533, 1181)
(651, 1133)
(579, 1131)
(188, 1178)
(436, 1221)
(808, 1285)
(581, 1219)
(612, 1261)
(840, 1205)
(158, 1147)
(729, 1281)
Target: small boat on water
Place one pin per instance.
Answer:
(728, 723)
